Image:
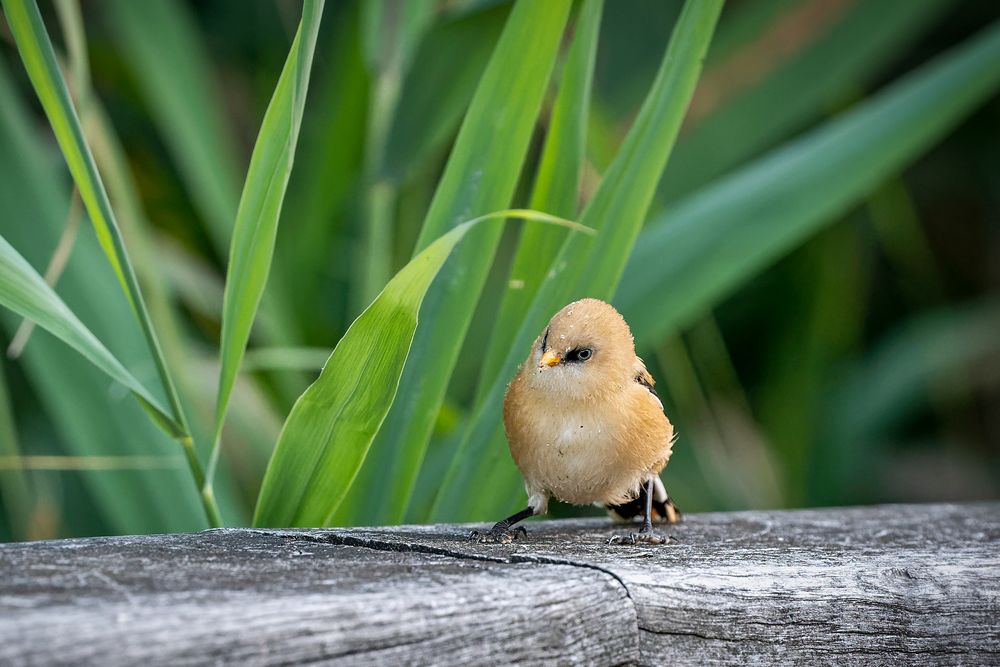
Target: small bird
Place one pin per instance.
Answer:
(584, 424)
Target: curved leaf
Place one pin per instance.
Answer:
(556, 189)
(327, 434)
(27, 294)
(584, 266)
(260, 208)
(480, 176)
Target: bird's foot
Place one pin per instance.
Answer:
(498, 535)
(642, 537)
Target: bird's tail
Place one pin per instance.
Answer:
(663, 510)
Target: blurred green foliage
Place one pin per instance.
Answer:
(815, 286)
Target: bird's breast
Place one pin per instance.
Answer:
(586, 451)
(577, 455)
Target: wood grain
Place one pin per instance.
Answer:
(897, 584)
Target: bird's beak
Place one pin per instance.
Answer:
(550, 358)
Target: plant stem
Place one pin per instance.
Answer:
(36, 48)
(204, 490)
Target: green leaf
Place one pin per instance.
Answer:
(260, 208)
(584, 267)
(40, 62)
(329, 430)
(698, 251)
(480, 176)
(556, 190)
(834, 54)
(27, 294)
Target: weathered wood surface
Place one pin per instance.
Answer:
(897, 584)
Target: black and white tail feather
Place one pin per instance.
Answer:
(663, 510)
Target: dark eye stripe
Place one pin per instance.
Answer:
(579, 354)
(545, 339)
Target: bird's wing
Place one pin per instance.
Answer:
(643, 377)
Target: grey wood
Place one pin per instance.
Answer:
(236, 596)
(889, 584)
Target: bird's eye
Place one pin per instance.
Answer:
(584, 354)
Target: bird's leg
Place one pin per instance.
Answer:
(501, 532)
(646, 534)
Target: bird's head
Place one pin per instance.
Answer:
(585, 351)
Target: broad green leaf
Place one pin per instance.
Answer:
(27, 294)
(480, 176)
(834, 52)
(584, 267)
(327, 434)
(260, 207)
(556, 189)
(53, 271)
(696, 252)
(160, 42)
(39, 59)
(83, 411)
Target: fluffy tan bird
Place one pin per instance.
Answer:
(585, 425)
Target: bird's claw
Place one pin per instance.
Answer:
(642, 537)
(498, 535)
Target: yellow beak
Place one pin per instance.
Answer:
(550, 358)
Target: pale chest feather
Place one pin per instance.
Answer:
(584, 452)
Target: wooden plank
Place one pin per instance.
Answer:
(904, 583)
(235, 596)
(889, 583)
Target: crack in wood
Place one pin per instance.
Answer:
(342, 539)
(851, 585)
